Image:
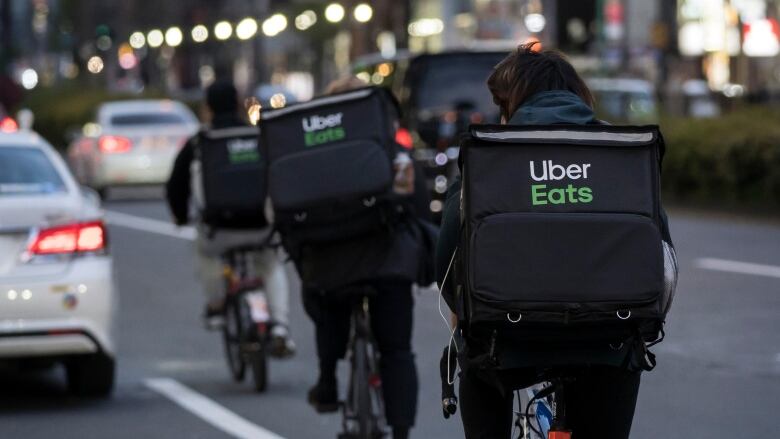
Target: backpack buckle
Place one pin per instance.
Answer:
(509, 317)
(625, 316)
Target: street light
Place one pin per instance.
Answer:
(305, 20)
(155, 38)
(137, 40)
(173, 36)
(334, 13)
(200, 33)
(223, 30)
(363, 12)
(246, 28)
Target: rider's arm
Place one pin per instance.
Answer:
(177, 190)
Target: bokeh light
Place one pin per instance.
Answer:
(246, 28)
(137, 40)
(173, 36)
(223, 30)
(200, 33)
(305, 20)
(155, 38)
(363, 12)
(334, 13)
(95, 64)
(29, 79)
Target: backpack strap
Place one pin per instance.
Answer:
(639, 358)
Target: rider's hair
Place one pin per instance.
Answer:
(527, 71)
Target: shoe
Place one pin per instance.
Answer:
(282, 345)
(213, 318)
(324, 397)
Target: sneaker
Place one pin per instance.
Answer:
(282, 345)
(324, 397)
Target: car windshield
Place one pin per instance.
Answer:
(160, 118)
(28, 171)
(466, 74)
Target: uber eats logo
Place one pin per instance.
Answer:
(322, 129)
(242, 151)
(548, 171)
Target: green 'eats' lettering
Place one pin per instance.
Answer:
(314, 138)
(570, 194)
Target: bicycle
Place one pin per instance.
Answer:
(363, 409)
(246, 330)
(544, 402)
(549, 411)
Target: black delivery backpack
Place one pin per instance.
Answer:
(330, 165)
(561, 233)
(233, 178)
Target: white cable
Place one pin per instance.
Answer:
(451, 330)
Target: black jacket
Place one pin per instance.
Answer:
(178, 189)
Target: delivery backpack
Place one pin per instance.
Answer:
(330, 166)
(233, 178)
(561, 235)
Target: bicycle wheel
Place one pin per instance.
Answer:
(362, 397)
(232, 338)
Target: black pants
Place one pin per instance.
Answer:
(600, 404)
(391, 322)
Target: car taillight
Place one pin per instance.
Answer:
(114, 144)
(70, 238)
(404, 138)
(8, 125)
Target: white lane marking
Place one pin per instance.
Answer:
(738, 267)
(150, 225)
(208, 410)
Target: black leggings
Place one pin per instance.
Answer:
(600, 404)
(391, 323)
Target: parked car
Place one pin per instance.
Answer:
(624, 100)
(131, 143)
(57, 294)
(440, 95)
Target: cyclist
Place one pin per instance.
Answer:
(388, 261)
(540, 88)
(183, 184)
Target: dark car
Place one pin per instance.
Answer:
(440, 95)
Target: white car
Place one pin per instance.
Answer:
(57, 294)
(131, 143)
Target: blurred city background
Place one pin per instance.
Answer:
(707, 71)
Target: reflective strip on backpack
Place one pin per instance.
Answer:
(223, 133)
(566, 135)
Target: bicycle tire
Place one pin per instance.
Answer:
(258, 361)
(232, 340)
(363, 413)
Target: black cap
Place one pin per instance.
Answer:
(222, 97)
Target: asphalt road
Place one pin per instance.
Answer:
(718, 373)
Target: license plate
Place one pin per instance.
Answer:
(258, 307)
